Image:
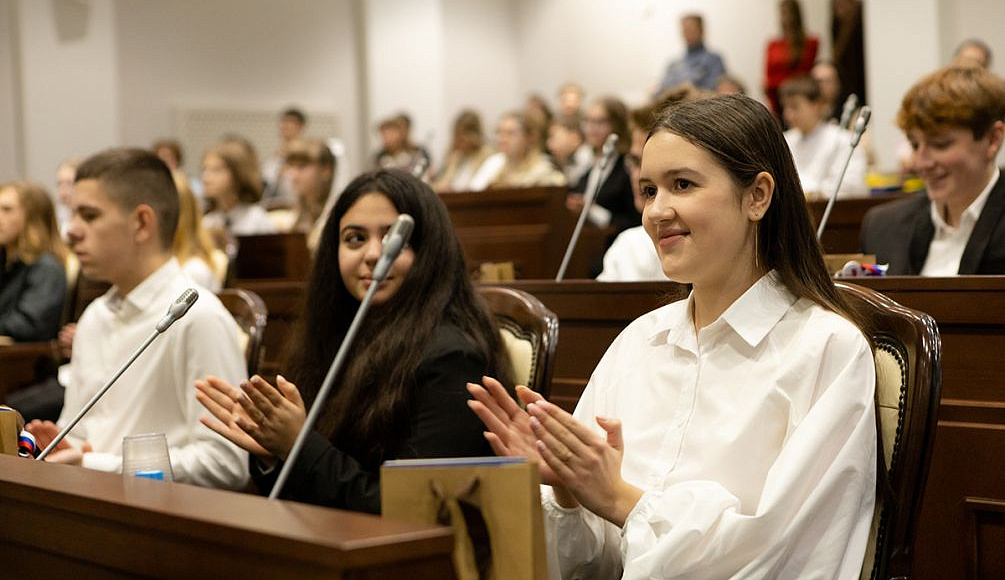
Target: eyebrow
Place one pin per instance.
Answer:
(674, 172)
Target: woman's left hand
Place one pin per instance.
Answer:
(277, 414)
(588, 464)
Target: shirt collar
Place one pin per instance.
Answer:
(698, 48)
(972, 212)
(751, 316)
(146, 292)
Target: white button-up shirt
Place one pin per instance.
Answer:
(948, 243)
(157, 393)
(632, 258)
(820, 156)
(754, 441)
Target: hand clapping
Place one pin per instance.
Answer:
(572, 458)
(260, 418)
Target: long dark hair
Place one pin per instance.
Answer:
(745, 139)
(367, 411)
(795, 33)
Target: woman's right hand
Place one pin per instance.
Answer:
(221, 399)
(509, 432)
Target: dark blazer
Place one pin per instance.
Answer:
(615, 195)
(31, 298)
(899, 233)
(440, 425)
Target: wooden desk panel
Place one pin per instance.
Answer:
(530, 227)
(843, 225)
(61, 522)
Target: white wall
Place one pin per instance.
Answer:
(11, 164)
(68, 81)
(89, 74)
(622, 48)
(241, 54)
(896, 57)
(481, 70)
(405, 65)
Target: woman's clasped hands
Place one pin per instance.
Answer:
(262, 419)
(583, 467)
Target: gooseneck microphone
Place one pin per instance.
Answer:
(607, 156)
(850, 104)
(863, 120)
(394, 242)
(175, 311)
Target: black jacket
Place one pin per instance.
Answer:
(31, 298)
(899, 233)
(441, 425)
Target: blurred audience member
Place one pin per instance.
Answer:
(791, 55)
(699, 66)
(468, 151)
(310, 171)
(396, 148)
(570, 101)
(538, 111)
(193, 248)
(65, 174)
(568, 149)
(730, 85)
(819, 148)
(613, 202)
(973, 52)
(170, 152)
(32, 259)
(519, 161)
(826, 75)
(632, 256)
(278, 194)
(233, 189)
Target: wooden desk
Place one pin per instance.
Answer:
(272, 256)
(842, 231)
(961, 530)
(65, 522)
(530, 227)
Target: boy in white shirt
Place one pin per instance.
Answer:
(125, 211)
(819, 148)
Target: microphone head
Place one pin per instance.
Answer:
(178, 309)
(610, 144)
(848, 110)
(394, 242)
(863, 121)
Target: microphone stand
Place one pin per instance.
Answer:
(606, 158)
(176, 311)
(863, 120)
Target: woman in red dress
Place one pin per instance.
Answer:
(792, 55)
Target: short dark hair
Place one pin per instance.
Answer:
(697, 18)
(745, 139)
(132, 177)
(802, 86)
(296, 114)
